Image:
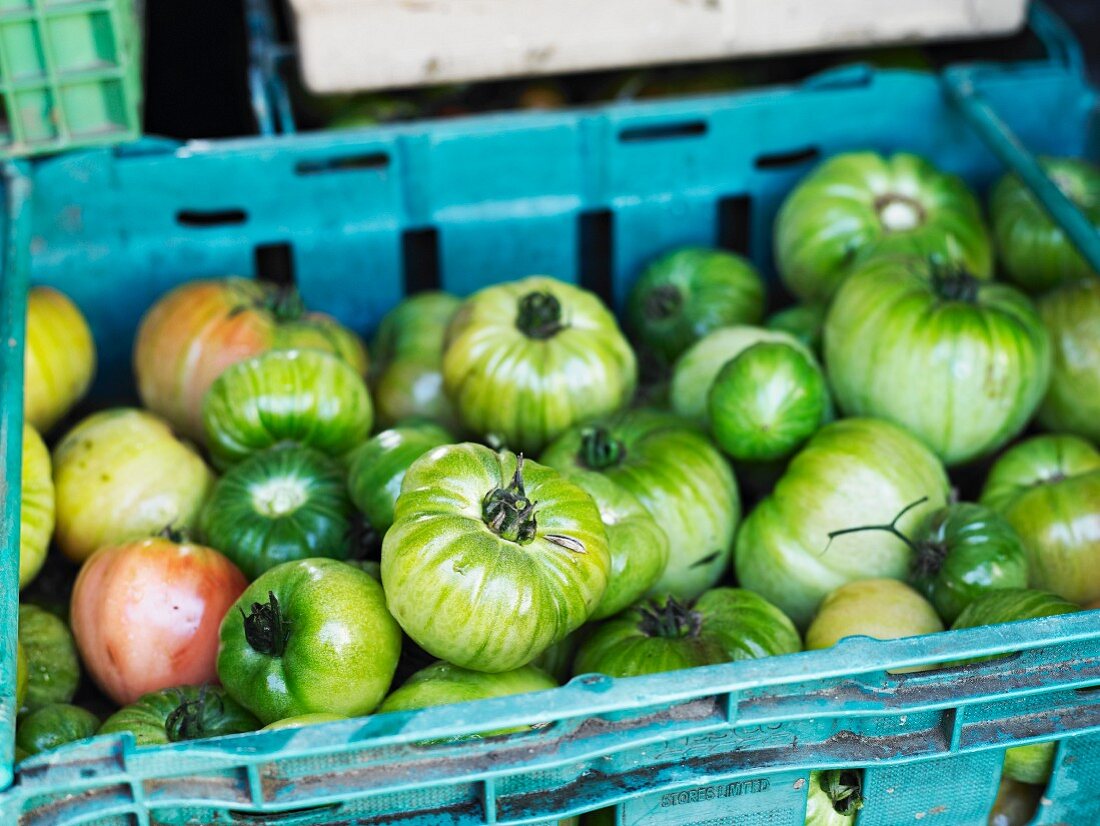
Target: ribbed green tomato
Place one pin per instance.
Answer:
(637, 544)
(861, 204)
(528, 359)
(663, 634)
(407, 381)
(309, 636)
(959, 362)
(682, 296)
(1072, 316)
(678, 475)
(442, 684)
(36, 506)
(173, 715)
(1048, 488)
(851, 472)
(308, 397)
(806, 322)
(377, 468)
(696, 370)
(54, 725)
(834, 797)
(278, 505)
(53, 668)
(1036, 253)
(766, 402)
(1013, 605)
(121, 474)
(491, 560)
(884, 609)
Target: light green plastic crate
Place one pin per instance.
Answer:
(70, 74)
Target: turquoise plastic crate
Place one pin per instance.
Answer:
(362, 217)
(70, 74)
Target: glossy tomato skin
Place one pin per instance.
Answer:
(1048, 488)
(278, 505)
(193, 333)
(54, 725)
(307, 397)
(173, 715)
(309, 636)
(145, 615)
(121, 474)
(678, 475)
(59, 358)
(1035, 251)
(861, 204)
(683, 295)
(662, 634)
(528, 359)
(806, 322)
(37, 507)
(961, 363)
(1072, 315)
(488, 565)
(53, 667)
(407, 379)
(377, 468)
(851, 472)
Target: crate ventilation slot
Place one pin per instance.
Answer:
(345, 163)
(211, 217)
(663, 131)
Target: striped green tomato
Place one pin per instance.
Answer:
(1072, 316)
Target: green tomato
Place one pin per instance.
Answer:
(1036, 253)
(766, 402)
(1012, 605)
(884, 609)
(861, 204)
(54, 725)
(961, 363)
(1031, 763)
(1048, 488)
(442, 684)
(684, 295)
(806, 322)
(36, 506)
(278, 505)
(173, 715)
(664, 634)
(309, 636)
(304, 720)
(407, 380)
(527, 360)
(490, 559)
(308, 397)
(637, 544)
(1072, 316)
(834, 797)
(852, 472)
(53, 667)
(678, 475)
(557, 660)
(377, 468)
(695, 371)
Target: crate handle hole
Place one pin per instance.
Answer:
(345, 163)
(211, 217)
(663, 131)
(782, 160)
(274, 263)
(420, 259)
(289, 816)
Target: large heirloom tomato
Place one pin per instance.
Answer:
(1072, 316)
(36, 507)
(121, 474)
(177, 714)
(307, 397)
(1036, 252)
(407, 369)
(146, 614)
(528, 359)
(200, 328)
(678, 475)
(59, 359)
(959, 362)
(490, 559)
(852, 472)
(1048, 488)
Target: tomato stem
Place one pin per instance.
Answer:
(952, 283)
(286, 304)
(671, 620)
(599, 449)
(899, 213)
(891, 527)
(265, 629)
(188, 720)
(508, 512)
(844, 788)
(539, 315)
(662, 302)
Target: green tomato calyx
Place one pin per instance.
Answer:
(265, 628)
(179, 536)
(188, 721)
(286, 304)
(844, 788)
(599, 449)
(279, 496)
(539, 315)
(670, 620)
(662, 302)
(508, 512)
(899, 213)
